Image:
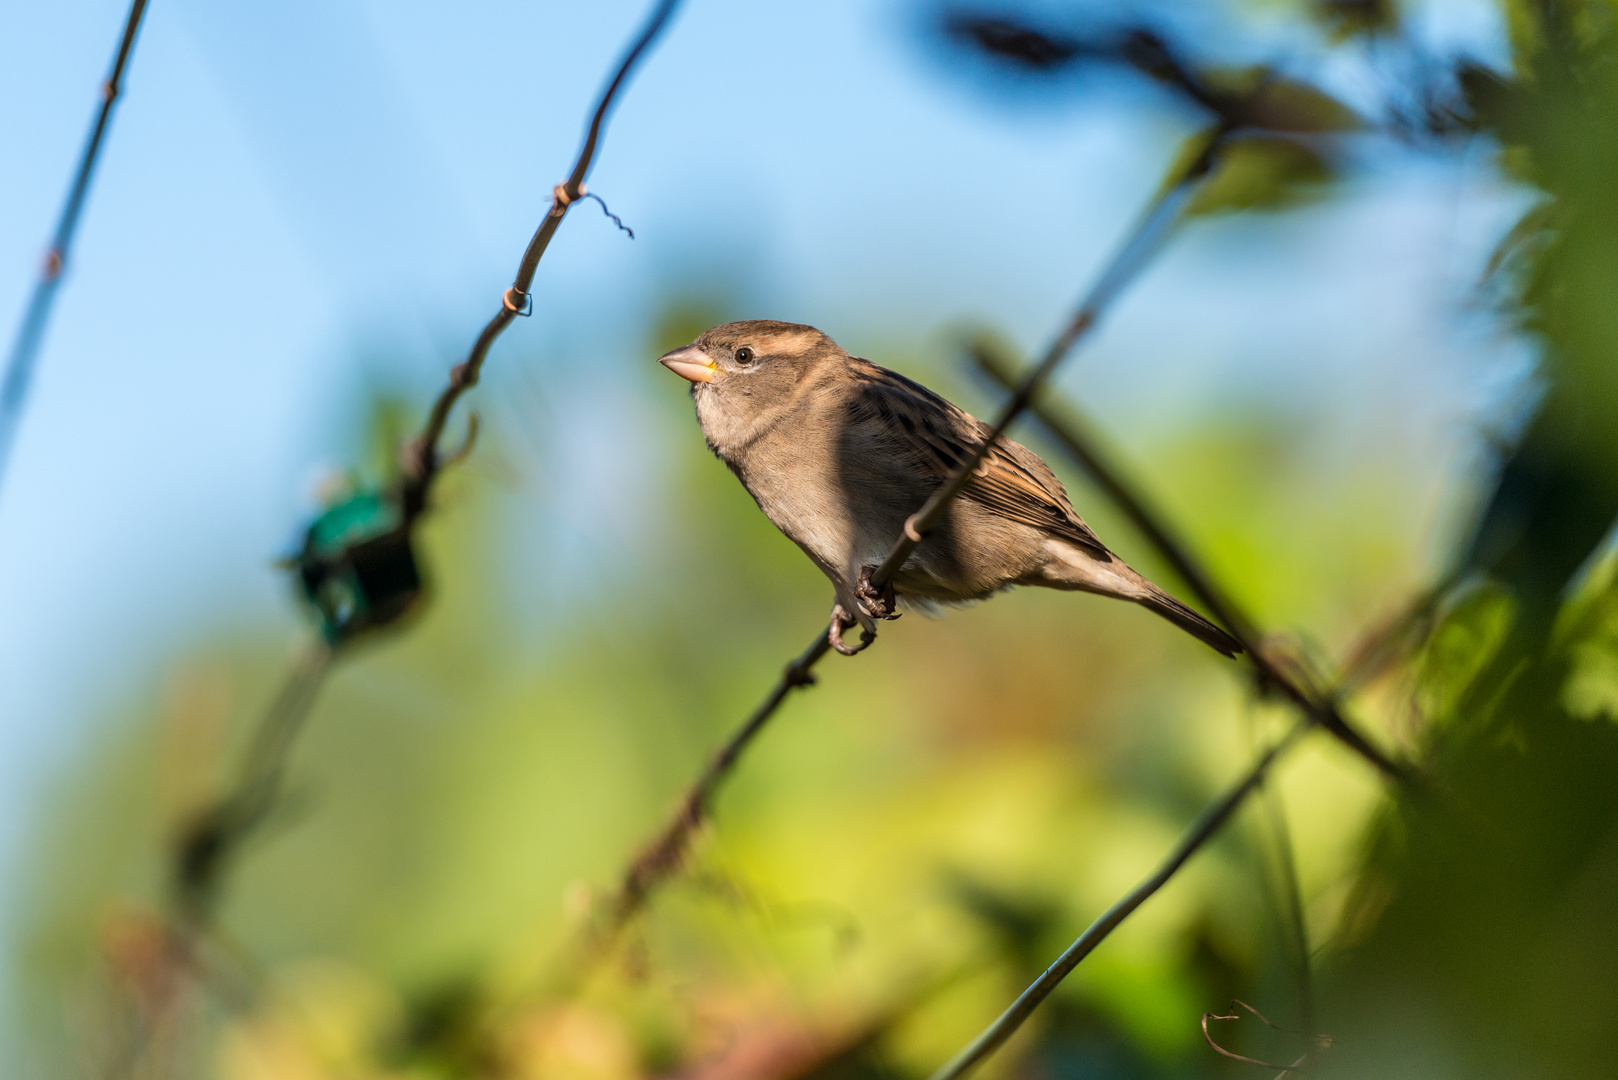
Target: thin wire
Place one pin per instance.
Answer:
(25, 348)
(215, 837)
(664, 855)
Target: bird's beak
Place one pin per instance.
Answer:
(690, 363)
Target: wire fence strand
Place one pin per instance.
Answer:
(275, 737)
(30, 339)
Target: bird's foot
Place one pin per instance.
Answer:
(841, 620)
(876, 603)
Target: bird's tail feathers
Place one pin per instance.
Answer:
(1073, 568)
(1160, 602)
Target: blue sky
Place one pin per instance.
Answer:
(304, 199)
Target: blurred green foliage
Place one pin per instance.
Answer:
(1485, 942)
(915, 838)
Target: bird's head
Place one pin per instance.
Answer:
(745, 375)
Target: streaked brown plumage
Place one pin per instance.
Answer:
(838, 451)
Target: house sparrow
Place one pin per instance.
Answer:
(838, 452)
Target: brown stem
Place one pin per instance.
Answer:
(663, 857)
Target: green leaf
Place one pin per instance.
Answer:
(1470, 635)
(1256, 97)
(1260, 172)
(1344, 19)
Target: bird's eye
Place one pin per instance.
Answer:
(744, 355)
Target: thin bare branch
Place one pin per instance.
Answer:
(30, 337)
(1243, 1058)
(1073, 431)
(205, 849)
(1201, 831)
(422, 462)
(665, 854)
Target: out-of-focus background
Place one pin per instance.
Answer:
(1344, 391)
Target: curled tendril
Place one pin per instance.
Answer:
(616, 220)
(1320, 1040)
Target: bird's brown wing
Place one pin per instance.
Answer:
(937, 437)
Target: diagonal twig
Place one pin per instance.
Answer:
(1070, 429)
(1067, 430)
(30, 337)
(1201, 831)
(1161, 214)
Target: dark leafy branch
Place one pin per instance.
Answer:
(30, 337)
(1254, 98)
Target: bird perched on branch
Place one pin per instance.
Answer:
(838, 452)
